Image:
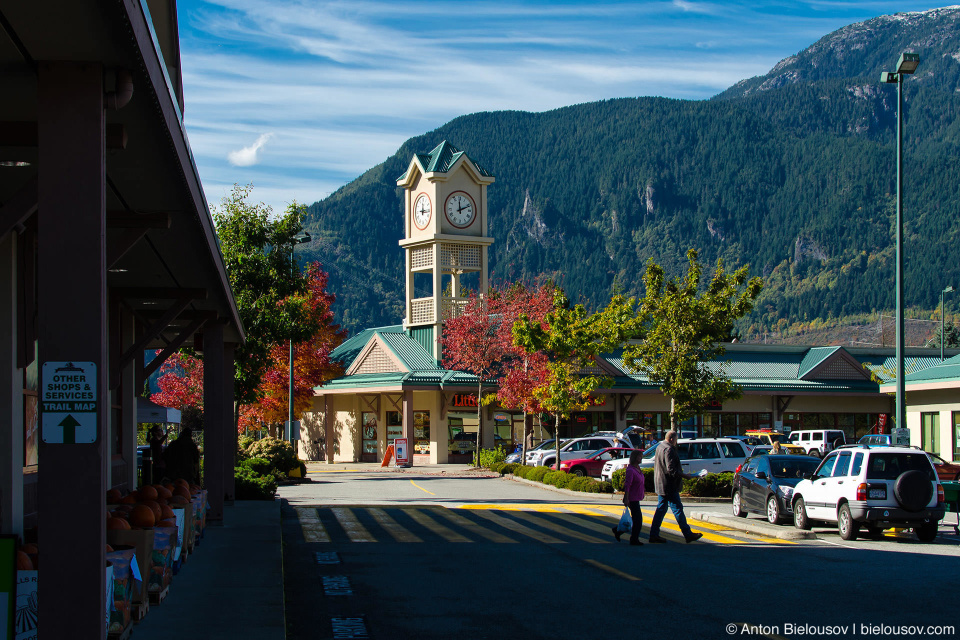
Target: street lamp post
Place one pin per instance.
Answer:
(300, 238)
(949, 289)
(907, 64)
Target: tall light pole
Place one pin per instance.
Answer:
(300, 238)
(905, 65)
(949, 289)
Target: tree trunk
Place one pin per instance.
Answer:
(556, 440)
(479, 418)
(673, 416)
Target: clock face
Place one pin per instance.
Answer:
(422, 211)
(460, 209)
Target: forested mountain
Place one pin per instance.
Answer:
(793, 173)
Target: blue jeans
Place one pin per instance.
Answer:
(673, 501)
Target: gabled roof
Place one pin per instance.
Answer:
(946, 371)
(443, 158)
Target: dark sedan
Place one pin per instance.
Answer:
(765, 485)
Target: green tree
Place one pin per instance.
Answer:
(951, 337)
(683, 329)
(272, 297)
(571, 338)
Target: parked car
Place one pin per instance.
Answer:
(716, 455)
(946, 471)
(546, 444)
(818, 442)
(573, 448)
(592, 464)
(875, 487)
(765, 484)
(876, 438)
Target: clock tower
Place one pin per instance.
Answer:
(445, 234)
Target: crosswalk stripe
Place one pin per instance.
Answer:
(516, 527)
(473, 527)
(392, 527)
(310, 525)
(565, 531)
(351, 526)
(429, 523)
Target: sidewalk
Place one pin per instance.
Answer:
(231, 587)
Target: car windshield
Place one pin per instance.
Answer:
(889, 466)
(543, 445)
(649, 453)
(792, 467)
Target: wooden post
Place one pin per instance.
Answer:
(214, 420)
(230, 439)
(72, 305)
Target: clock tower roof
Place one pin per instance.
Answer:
(442, 159)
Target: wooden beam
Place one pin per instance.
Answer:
(122, 245)
(159, 293)
(130, 220)
(24, 134)
(177, 342)
(15, 211)
(624, 404)
(155, 330)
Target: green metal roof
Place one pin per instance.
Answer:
(815, 357)
(409, 351)
(946, 371)
(441, 158)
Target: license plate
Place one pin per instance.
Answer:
(877, 494)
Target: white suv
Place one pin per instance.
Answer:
(575, 448)
(716, 455)
(875, 487)
(818, 442)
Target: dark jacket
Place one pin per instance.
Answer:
(667, 472)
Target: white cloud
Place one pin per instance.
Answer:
(249, 156)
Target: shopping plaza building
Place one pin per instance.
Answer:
(395, 386)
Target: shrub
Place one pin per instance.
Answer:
(648, 483)
(605, 486)
(522, 470)
(508, 467)
(488, 457)
(553, 477)
(260, 466)
(243, 443)
(252, 486)
(537, 474)
(590, 485)
(619, 477)
(712, 485)
(279, 452)
(580, 484)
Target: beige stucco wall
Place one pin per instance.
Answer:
(942, 401)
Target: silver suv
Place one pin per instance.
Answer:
(575, 448)
(874, 487)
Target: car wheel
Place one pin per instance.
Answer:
(846, 524)
(737, 506)
(579, 472)
(913, 490)
(773, 510)
(927, 531)
(800, 519)
(813, 453)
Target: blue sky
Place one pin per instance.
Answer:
(299, 97)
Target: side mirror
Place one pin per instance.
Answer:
(808, 476)
(761, 475)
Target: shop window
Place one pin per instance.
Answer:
(956, 435)
(930, 432)
(394, 426)
(421, 432)
(503, 430)
(369, 436)
(462, 433)
(810, 420)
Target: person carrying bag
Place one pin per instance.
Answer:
(633, 493)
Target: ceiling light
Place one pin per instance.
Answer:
(14, 163)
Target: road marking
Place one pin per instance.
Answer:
(609, 569)
(349, 628)
(516, 527)
(327, 557)
(564, 531)
(429, 523)
(393, 528)
(354, 530)
(337, 586)
(421, 488)
(474, 527)
(311, 526)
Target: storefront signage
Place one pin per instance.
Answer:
(68, 402)
(464, 400)
(713, 405)
(403, 455)
(501, 417)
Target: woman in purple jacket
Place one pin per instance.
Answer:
(633, 493)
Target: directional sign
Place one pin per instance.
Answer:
(68, 402)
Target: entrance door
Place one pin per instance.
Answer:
(368, 451)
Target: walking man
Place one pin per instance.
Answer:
(668, 480)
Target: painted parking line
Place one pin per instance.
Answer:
(516, 527)
(472, 527)
(614, 571)
(556, 528)
(392, 527)
(444, 532)
(313, 530)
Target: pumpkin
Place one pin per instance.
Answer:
(155, 506)
(167, 523)
(179, 500)
(162, 491)
(24, 563)
(147, 493)
(142, 516)
(182, 483)
(113, 496)
(166, 513)
(119, 523)
(108, 549)
(130, 498)
(30, 548)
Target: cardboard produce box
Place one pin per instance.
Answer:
(142, 540)
(164, 540)
(125, 578)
